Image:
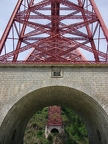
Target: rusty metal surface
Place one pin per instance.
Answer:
(54, 116)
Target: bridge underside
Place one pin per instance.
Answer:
(56, 31)
(94, 117)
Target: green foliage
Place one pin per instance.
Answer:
(50, 138)
(71, 141)
(39, 133)
(75, 131)
(75, 127)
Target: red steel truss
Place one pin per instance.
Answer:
(54, 116)
(55, 31)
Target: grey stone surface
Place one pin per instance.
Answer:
(26, 89)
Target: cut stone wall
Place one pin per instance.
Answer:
(26, 89)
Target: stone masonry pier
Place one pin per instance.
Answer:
(25, 89)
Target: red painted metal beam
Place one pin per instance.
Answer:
(22, 33)
(104, 28)
(55, 31)
(9, 25)
(54, 116)
(55, 10)
(96, 56)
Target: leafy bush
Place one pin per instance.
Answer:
(50, 138)
(39, 133)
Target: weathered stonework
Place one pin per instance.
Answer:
(48, 129)
(26, 89)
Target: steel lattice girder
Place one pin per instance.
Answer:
(55, 31)
(54, 116)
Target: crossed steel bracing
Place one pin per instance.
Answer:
(55, 31)
(54, 116)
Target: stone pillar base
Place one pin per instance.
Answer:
(49, 129)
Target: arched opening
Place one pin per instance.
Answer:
(74, 129)
(92, 114)
(54, 130)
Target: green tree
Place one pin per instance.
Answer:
(75, 130)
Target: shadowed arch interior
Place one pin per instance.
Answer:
(54, 130)
(93, 116)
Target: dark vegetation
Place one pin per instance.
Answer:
(75, 131)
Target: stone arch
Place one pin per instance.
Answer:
(95, 118)
(54, 130)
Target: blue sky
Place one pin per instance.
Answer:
(7, 6)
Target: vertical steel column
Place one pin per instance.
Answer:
(54, 116)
